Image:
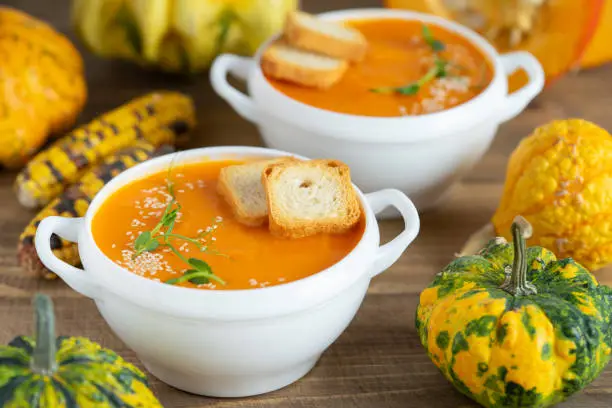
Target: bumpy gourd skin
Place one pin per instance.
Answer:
(560, 179)
(177, 35)
(42, 85)
(88, 376)
(516, 351)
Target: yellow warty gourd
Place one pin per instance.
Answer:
(177, 35)
(560, 179)
(42, 86)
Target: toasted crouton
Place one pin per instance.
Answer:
(241, 187)
(310, 197)
(281, 61)
(303, 30)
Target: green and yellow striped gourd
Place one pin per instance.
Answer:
(67, 372)
(514, 326)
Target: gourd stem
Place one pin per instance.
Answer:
(517, 284)
(44, 355)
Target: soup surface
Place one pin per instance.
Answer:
(244, 257)
(398, 56)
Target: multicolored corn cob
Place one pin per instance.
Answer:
(159, 118)
(74, 203)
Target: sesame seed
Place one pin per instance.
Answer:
(281, 279)
(137, 223)
(147, 263)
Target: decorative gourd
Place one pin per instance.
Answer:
(514, 326)
(557, 32)
(598, 51)
(42, 88)
(559, 178)
(67, 372)
(177, 35)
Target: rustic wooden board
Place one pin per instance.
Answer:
(378, 361)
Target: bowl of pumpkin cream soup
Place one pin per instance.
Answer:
(410, 101)
(229, 270)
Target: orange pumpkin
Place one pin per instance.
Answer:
(559, 33)
(42, 88)
(599, 51)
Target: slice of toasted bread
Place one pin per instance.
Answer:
(281, 61)
(334, 39)
(241, 187)
(310, 197)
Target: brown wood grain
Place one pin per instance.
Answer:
(378, 361)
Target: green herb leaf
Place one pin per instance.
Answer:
(199, 280)
(172, 281)
(152, 245)
(196, 277)
(442, 67)
(439, 69)
(199, 264)
(411, 89)
(141, 242)
(161, 235)
(191, 275)
(435, 45)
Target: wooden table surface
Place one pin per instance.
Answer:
(378, 361)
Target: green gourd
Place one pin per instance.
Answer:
(515, 326)
(67, 372)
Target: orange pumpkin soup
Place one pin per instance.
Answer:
(409, 69)
(243, 257)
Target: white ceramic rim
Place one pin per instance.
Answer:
(131, 174)
(421, 121)
(282, 299)
(493, 104)
(479, 42)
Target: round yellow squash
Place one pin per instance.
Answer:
(42, 87)
(560, 179)
(177, 35)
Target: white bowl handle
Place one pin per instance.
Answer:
(239, 67)
(391, 251)
(67, 228)
(518, 100)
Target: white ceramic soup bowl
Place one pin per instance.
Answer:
(419, 155)
(226, 343)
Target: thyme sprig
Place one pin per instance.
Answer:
(440, 68)
(162, 235)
